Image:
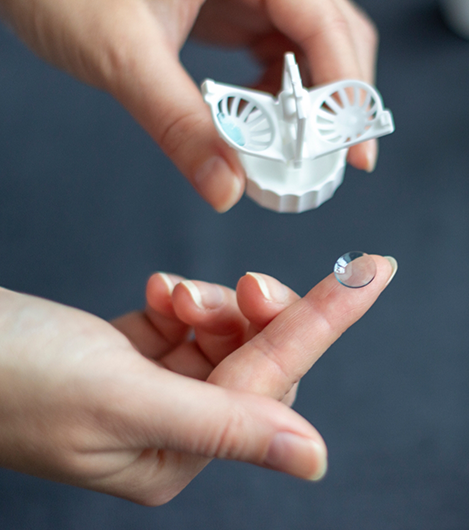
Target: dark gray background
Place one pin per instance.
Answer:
(89, 207)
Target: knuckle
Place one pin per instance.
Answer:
(333, 23)
(277, 368)
(272, 352)
(228, 444)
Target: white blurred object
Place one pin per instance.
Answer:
(294, 147)
(456, 13)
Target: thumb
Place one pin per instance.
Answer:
(189, 416)
(129, 50)
(163, 98)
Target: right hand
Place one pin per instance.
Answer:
(130, 48)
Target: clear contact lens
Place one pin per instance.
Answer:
(355, 269)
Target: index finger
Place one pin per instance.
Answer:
(275, 359)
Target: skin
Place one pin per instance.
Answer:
(130, 48)
(123, 408)
(138, 408)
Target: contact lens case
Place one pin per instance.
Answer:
(293, 147)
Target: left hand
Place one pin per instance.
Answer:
(138, 413)
(81, 404)
(262, 343)
(190, 327)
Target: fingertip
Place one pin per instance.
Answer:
(364, 156)
(261, 298)
(194, 300)
(299, 456)
(219, 183)
(386, 268)
(212, 311)
(343, 306)
(159, 289)
(394, 267)
(266, 286)
(191, 293)
(371, 155)
(261, 284)
(166, 279)
(320, 450)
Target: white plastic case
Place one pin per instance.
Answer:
(293, 147)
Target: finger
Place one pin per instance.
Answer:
(290, 397)
(158, 293)
(365, 38)
(323, 32)
(364, 156)
(269, 52)
(240, 426)
(287, 348)
(213, 312)
(162, 319)
(219, 324)
(158, 329)
(261, 298)
(340, 43)
(163, 98)
(219, 328)
(131, 50)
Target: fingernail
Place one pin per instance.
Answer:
(291, 453)
(204, 295)
(322, 463)
(371, 155)
(217, 182)
(394, 266)
(167, 280)
(277, 292)
(261, 283)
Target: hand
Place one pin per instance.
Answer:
(130, 48)
(80, 404)
(284, 338)
(139, 417)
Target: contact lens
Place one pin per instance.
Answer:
(355, 269)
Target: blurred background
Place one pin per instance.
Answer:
(90, 207)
